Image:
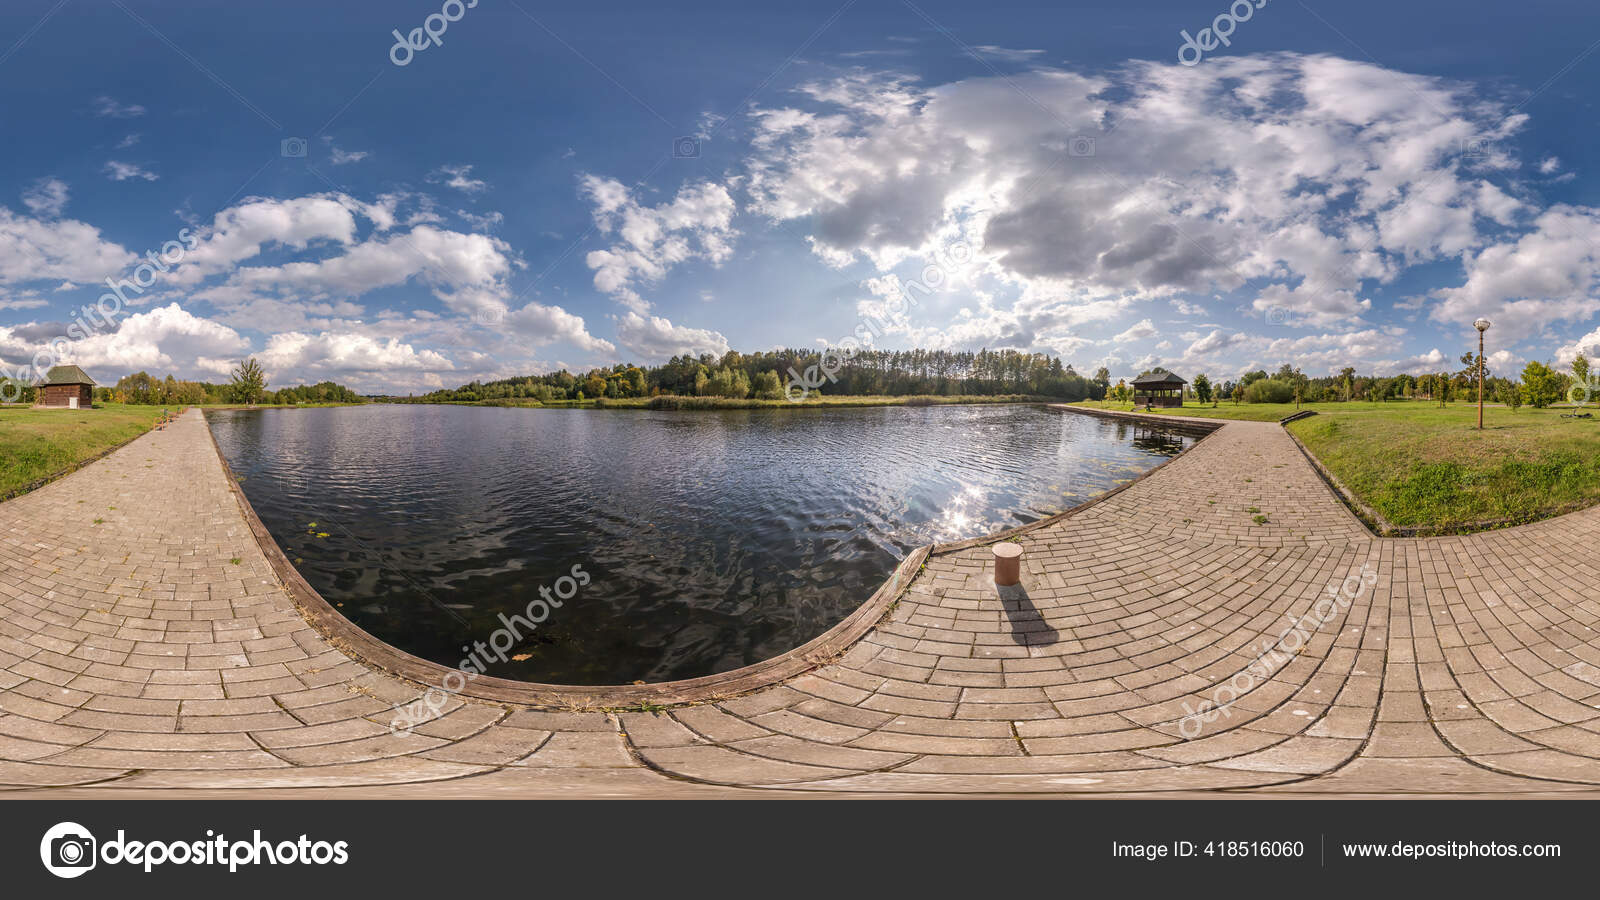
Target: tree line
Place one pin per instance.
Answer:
(248, 385)
(1539, 385)
(767, 375)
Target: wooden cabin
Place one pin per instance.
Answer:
(1164, 389)
(66, 387)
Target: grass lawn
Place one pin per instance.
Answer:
(36, 443)
(1425, 467)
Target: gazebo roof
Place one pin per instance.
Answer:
(1159, 379)
(66, 375)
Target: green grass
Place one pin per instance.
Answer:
(38, 443)
(1431, 469)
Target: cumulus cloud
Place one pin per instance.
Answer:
(539, 324)
(696, 224)
(242, 232)
(655, 338)
(345, 353)
(1543, 277)
(1140, 330)
(162, 339)
(1306, 175)
(466, 271)
(39, 250)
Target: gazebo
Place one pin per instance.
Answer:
(66, 387)
(1158, 389)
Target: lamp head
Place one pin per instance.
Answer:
(1481, 325)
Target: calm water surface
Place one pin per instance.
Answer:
(712, 539)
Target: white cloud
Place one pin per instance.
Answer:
(696, 224)
(121, 171)
(162, 339)
(1549, 165)
(37, 250)
(654, 338)
(1140, 330)
(46, 197)
(109, 108)
(1527, 284)
(486, 222)
(1006, 53)
(1306, 174)
(466, 271)
(344, 353)
(458, 177)
(1588, 345)
(539, 324)
(242, 232)
(342, 157)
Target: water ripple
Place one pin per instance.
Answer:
(713, 540)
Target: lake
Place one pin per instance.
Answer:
(710, 540)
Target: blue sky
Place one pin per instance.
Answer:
(571, 185)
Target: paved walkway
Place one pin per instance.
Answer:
(146, 644)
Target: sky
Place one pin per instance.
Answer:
(408, 195)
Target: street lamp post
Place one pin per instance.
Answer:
(1482, 325)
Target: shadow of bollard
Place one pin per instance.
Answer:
(1028, 626)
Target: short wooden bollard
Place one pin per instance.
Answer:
(1007, 564)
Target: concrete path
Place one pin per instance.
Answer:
(146, 645)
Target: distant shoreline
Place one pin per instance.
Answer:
(682, 403)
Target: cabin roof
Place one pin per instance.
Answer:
(1159, 379)
(66, 375)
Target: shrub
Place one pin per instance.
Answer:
(767, 386)
(1269, 390)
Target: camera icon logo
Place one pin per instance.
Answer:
(293, 148)
(67, 850)
(1474, 148)
(1080, 146)
(686, 148)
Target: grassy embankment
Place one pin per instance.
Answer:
(38, 443)
(1431, 469)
